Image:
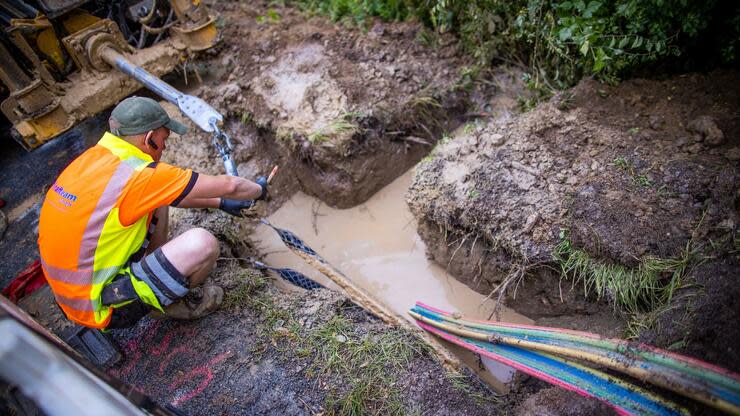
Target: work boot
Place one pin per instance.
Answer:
(199, 302)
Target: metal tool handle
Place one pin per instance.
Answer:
(202, 114)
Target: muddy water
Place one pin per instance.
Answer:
(376, 245)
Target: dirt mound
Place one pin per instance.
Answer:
(348, 111)
(621, 173)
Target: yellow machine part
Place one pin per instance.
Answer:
(78, 20)
(195, 31)
(44, 127)
(49, 45)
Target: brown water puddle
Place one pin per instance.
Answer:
(376, 245)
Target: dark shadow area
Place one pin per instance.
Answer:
(25, 176)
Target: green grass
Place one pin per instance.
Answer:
(369, 363)
(470, 127)
(344, 124)
(646, 288)
(247, 117)
(637, 178)
(244, 293)
(363, 398)
(461, 383)
(272, 16)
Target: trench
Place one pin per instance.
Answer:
(377, 246)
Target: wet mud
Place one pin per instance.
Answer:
(641, 170)
(251, 357)
(347, 111)
(376, 245)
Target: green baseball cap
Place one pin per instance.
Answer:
(136, 115)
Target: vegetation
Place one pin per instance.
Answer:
(637, 178)
(462, 384)
(648, 287)
(561, 41)
(251, 282)
(344, 124)
(369, 363)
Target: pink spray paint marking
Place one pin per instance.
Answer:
(204, 371)
(134, 348)
(168, 358)
(164, 345)
(169, 349)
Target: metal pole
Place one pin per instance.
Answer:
(202, 114)
(163, 89)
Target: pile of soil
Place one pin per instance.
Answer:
(347, 111)
(628, 172)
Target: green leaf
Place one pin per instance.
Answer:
(592, 8)
(565, 34)
(273, 15)
(622, 43)
(600, 60)
(565, 6)
(637, 42)
(584, 48)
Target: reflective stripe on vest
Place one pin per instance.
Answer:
(105, 245)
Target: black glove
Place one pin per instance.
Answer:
(262, 181)
(235, 207)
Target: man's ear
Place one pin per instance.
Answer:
(149, 141)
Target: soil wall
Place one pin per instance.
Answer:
(638, 171)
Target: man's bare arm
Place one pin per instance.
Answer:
(209, 187)
(199, 203)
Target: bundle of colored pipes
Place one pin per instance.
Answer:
(559, 356)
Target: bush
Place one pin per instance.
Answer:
(562, 41)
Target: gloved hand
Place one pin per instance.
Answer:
(262, 181)
(235, 207)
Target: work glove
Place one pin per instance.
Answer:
(262, 181)
(234, 206)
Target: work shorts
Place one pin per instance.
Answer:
(150, 283)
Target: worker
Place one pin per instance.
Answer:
(103, 226)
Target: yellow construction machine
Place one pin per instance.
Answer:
(62, 61)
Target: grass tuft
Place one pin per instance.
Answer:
(344, 124)
(646, 288)
(243, 294)
(461, 383)
(368, 363)
(637, 178)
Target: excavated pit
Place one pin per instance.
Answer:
(375, 244)
(347, 112)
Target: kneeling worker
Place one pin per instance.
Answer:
(103, 226)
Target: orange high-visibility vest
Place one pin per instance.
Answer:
(82, 241)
